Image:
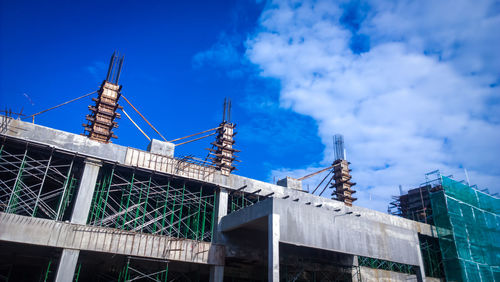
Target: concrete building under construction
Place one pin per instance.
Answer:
(80, 208)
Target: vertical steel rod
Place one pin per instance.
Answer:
(172, 216)
(198, 213)
(64, 189)
(19, 175)
(165, 208)
(105, 205)
(128, 201)
(41, 185)
(146, 204)
(180, 212)
(213, 216)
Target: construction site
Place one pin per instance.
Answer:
(79, 207)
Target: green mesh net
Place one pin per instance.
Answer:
(468, 226)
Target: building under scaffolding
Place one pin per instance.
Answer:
(80, 208)
(467, 221)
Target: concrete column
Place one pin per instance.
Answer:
(355, 269)
(217, 271)
(273, 261)
(421, 269)
(85, 191)
(221, 209)
(67, 265)
(69, 257)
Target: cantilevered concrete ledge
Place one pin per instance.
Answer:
(44, 232)
(340, 231)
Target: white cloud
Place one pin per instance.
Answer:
(420, 99)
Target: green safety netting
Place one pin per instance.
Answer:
(468, 226)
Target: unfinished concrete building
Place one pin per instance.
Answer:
(77, 208)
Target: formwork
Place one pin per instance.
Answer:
(468, 226)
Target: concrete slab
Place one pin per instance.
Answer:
(45, 232)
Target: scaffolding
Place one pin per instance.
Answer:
(386, 265)
(431, 256)
(37, 181)
(239, 200)
(415, 204)
(333, 273)
(468, 226)
(132, 272)
(139, 201)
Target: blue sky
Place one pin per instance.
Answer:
(412, 85)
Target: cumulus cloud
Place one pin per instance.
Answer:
(420, 94)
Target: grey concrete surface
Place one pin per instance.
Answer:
(338, 231)
(161, 148)
(45, 232)
(273, 257)
(221, 211)
(85, 191)
(67, 265)
(217, 271)
(63, 140)
(290, 182)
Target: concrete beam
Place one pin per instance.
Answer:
(63, 140)
(45, 232)
(337, 231)
(240, 217)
